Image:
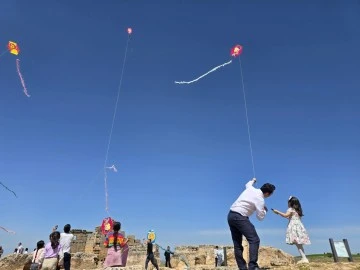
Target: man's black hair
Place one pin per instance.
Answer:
(67, 228)
(268, 188)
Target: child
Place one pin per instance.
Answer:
(52, 253)
(296, 233)
(117, 246)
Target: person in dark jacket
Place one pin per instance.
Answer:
(167, 254)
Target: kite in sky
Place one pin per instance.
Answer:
(13, 48)
(112, 168)
(234, 52)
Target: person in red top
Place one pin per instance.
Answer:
(117, 246)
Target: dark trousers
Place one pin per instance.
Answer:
(241, 226)
(167, 262)
(151, 258)
(67, 261)
(216, 260)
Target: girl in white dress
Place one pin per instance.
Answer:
(296, 233)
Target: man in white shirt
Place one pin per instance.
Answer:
(249, 201)
(65, 241)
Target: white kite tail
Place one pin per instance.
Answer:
(21, 77)
(207, 73)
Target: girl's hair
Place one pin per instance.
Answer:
(40, 244)
(296, 205)
(116, 228)
(54, 239)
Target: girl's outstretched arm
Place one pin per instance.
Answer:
(284, 215)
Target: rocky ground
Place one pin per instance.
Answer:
(273, 259)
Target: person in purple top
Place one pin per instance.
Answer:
(52, 253)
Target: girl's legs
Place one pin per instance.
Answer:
(301, 251)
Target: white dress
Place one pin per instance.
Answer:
(296, 232)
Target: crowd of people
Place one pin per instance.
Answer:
(56, 253)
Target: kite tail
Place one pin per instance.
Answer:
(207, 73)
(21, 77)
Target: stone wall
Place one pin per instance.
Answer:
(203, 255)
(82, 238)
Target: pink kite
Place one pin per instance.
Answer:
(107, 225)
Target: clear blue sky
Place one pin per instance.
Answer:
(181, 150)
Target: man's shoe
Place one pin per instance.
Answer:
(303, 261)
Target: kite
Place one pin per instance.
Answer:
(6, 230)
(107, 225)
(13, 48)
(234, 52)
(129, 30)
(21, 77)
(112, 168)
(8, 189)
(151, 236)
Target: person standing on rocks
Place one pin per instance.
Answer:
(249, 201)
(216, 255)
(52, 257)
(150, 255)
(65, 241)
(20, 249)
(167, 255)
(117, 248)
(1, 251)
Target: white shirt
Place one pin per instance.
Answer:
(20, 250)
(65, 241)
(39, 256)
(249, 201)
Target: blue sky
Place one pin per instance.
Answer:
(181, 151)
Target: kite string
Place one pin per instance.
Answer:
(112, 126)
(8, 189)
(3, 53)
(247, 118)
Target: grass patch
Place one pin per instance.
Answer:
(327, 257)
